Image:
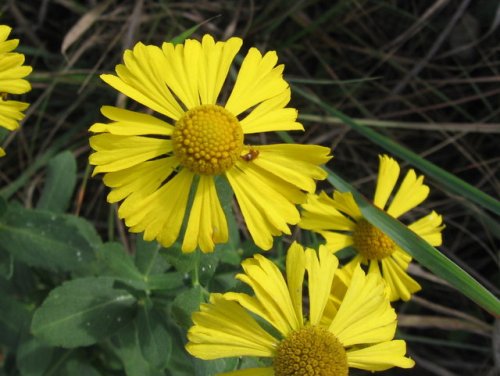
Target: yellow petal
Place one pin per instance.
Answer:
(181, 70)
(266, 371)
(207, 223)
(336, 241)
(320, 214)
(365, 315)
(271, 290)
(380, 357)
(131, 123)
(410, 194)
(224, 329)
(388, 173)
(158, 215)
(11, 113)
(320, 272)
(2, 152)
(266, 211)
(113, 153)
(400, 283)
(214, 66)
(259, 79)
(4, 32)
(295, 269)
(286, 188)
(271, 115)
(140, 180)
(142, 78)
(429, 228)
(295, 164)
(344, 202)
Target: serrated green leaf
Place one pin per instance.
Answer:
(60, 183)
(422, 251)
(185, 304)
(82, 312)
(56, 242)
(154, 339)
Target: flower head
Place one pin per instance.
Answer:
(356, 331)
(151, 162)
(341, 223)
(12, 72)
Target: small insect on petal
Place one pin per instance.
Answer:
(251, 155)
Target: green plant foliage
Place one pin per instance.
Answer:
(154, 339)
(82, 312)
(57, 242)
(60, 183)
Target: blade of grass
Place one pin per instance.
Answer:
(419, 249)
(448, 181)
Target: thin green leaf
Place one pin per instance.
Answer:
(418, 248)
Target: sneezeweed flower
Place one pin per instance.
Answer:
(12, 72)
(358, 334)
(341, 223)
(151, 162)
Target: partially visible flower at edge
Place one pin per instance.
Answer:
(151, 164)
(358, 332)
(340, 222)
(12, 72)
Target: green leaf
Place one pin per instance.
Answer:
(78, 365)
(214, 367)
(422, 251)
(3, 206)
(148, 259)
(449, 181)
(166, 281)
(126, 345)
(81, 312)
(56, 242)
(185, 304)
(14, 320)
(187, 33)
(180, 363)
(60, 183)
(154, 339)
(34, 357)
(6, 264)
(120, 265)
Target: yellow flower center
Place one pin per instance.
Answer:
(372, 243)
(208, 139)
(311, 351)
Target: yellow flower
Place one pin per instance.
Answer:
(151, 163)
(341, 223)
(358, 333)
(12, 72)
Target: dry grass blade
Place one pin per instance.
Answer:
(83, 24)
(440, 322)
